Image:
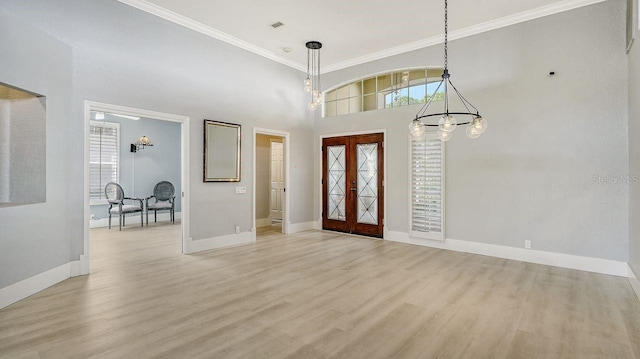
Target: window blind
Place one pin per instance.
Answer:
(104, 157)
(427, 188)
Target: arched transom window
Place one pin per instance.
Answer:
(385, 90)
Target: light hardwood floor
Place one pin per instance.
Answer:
(316, 295)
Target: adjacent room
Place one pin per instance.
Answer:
(433, 179)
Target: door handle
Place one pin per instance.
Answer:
(354, 189)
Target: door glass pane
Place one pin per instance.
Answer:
(337, 182)
(368, 183)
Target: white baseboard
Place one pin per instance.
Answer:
(635, 283)
(230, 240)
(588, 264)
(30, 286)
(263, 222)
(318, 224)
(300, 227)
(104, 222)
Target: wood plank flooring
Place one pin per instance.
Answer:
(318, 295)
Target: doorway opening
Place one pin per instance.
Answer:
(136, 177)
(270, 176)
(353, 184)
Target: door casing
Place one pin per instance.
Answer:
(386, 179)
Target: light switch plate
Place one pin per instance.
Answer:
(241, 190)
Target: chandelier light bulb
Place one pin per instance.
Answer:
(307, 82)
(447, 123)
(416, 128)
(312, 106)
(405, 77)
(445, 136)
(318, 99)
(480, 124)
(472, 131)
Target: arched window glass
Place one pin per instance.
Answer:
(385, 90)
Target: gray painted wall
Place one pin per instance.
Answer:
(531, 175)
(126, 57)
(35, 238)
(634, 156)
(263, 173)
(152, 164)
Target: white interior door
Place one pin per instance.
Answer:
(277, 180)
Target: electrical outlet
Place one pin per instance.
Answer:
(527, 244)
(241, 190)
(237, 229)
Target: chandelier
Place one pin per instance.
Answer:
(447, 123)
(312, 82)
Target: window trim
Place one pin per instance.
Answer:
(440, 237)
(92, 123)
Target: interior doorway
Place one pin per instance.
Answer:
(276, 182)
(270, 189)
(353, 184)
(270, 178)
(145, 154)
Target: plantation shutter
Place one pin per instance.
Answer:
(427, 188)
(103, 158)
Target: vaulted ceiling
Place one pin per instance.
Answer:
(352, 32)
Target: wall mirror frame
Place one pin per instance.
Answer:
(222, 151)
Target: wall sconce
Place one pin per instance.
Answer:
(141, 144)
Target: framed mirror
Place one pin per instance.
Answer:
(221, 152)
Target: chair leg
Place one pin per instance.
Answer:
(120, 220)
(124, 219)
(155, 215)
(109, 220)
(141, 219)
(147, 217)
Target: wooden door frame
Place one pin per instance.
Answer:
(385, 178)
(286, 140)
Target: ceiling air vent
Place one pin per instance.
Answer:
(276, 25)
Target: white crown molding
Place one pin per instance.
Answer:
(543, 11)
(209, 31)
(434, 40)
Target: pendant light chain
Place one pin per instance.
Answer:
(446, 35)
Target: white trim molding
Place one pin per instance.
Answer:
(513, 19)
(263, 222)
(301, 227)
(229, 240)
(633, 280)
(209, 31)
(588, 264)
(32, 285)
(505, 21)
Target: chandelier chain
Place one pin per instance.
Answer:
(446, 35)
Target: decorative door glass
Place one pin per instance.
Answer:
(367, 183)
(336, 190)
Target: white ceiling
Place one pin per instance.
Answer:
(352, 32)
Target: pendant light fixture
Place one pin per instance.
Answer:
(312, 82)
(447, 123)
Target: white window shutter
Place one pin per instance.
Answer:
(104, 157)
(427, 187)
